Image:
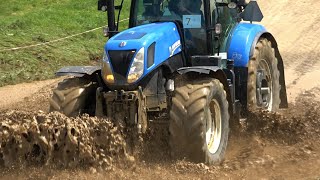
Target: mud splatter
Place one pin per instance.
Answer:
(54, 139)
(266, 145)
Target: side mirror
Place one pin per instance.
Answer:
(232, 5)
(241, 2)
(102, 5)
(252, 12)
(218, 28)
(105, 31)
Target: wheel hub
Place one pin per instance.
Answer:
(213, 127)
(264, 85)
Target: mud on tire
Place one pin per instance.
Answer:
(189, 115)
(263, 59)
(73, 97)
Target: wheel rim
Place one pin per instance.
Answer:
(213, 127)
(264, 85)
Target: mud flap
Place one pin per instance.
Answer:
(283, 91)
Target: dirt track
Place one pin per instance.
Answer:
(285, 146)
(295, 25)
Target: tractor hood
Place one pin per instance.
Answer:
(157, 41)
(163, 34)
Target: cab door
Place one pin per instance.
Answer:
(227, 17)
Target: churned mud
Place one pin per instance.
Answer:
(39, 139)
(52, 146)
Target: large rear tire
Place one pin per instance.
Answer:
(73, 97)
(263, 88)
(199, 121)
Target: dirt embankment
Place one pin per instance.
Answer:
(268, 146)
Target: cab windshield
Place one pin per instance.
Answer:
(148, 11)
(189, 12)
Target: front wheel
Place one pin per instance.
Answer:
(73, 97)
(199, 121)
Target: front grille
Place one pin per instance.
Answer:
(120, 62)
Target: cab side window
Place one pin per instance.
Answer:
(225, 18)
(221, 13)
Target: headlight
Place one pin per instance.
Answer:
(137, 67)
(106, 71)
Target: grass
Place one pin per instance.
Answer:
(28, 22)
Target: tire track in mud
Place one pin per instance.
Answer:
(27, 96)
(308, 58)
(295, 25)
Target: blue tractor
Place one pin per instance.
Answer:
(189, 63)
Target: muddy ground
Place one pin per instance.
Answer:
(285, 145)
(281, 145)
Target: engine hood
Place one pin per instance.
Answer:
(160, 41)
(163, 34)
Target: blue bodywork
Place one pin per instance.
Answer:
(243, 41)
(165, 35)
(167, 42)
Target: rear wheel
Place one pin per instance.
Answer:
(263, 78)
(199, 121)
(73, 97)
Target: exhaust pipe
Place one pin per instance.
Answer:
(111, 18)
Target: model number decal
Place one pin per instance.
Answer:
(236, 56)
(191, 21)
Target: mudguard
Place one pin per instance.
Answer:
(243, 40)
(217, 73)
(199, 69)
(77, 71)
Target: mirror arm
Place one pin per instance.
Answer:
(119, 12)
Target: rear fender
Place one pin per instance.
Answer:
(244, 39)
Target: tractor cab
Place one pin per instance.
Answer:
(189, 16)
(204, 25)
(200, 21)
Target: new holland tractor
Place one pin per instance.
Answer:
(192, 64)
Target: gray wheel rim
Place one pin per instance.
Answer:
(264, 85)
(213, 127)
